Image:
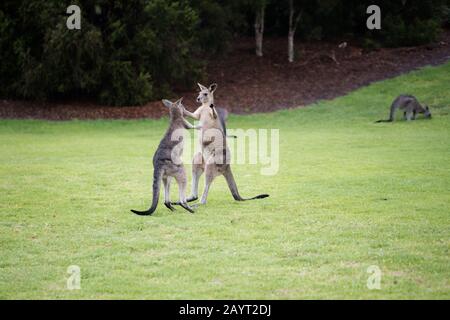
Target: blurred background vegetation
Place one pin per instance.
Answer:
(131, 52)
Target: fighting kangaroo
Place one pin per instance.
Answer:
(215, 155)
(167, 160)
(411, 107)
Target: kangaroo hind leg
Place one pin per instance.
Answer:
(166, 183)
(409, 115)
(198, 167)
(182, 184)
(210, 174)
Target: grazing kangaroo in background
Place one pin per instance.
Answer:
(167, 160)
(411, 108)
(214, 156)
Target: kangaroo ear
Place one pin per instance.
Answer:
(179, 101)
(213, 87)
(202, 87)
(167, 103)
(426, 107)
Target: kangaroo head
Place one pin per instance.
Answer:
(427, 112)
(176, 108)
(206, 95)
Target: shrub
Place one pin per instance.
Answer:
(397, 32)
(125, 53)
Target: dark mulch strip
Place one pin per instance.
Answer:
(248, 84)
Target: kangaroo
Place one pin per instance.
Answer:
(214, 156)
(411, 107)
(167, 162)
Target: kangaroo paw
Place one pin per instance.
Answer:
(198, 204)
(169, 206)
(186, 206)
(191, 198)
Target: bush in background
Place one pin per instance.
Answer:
(127, 52)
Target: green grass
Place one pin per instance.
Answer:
(349, 194)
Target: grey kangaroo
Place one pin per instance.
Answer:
(214, 156)
(411, 107)
(167, 162)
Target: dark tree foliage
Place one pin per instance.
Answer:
(129, 52)
(404, 22)
(126, 52)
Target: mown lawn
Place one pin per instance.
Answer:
(349, 194)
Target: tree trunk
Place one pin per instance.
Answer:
(291, 46)
(292, 27)
(259, 30)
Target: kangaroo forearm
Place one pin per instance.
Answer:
(188, 125)
(192, 115)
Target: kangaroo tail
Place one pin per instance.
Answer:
(157, 175)
(394, 107)
(391, 113)
(259, 196)
(234, 190)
